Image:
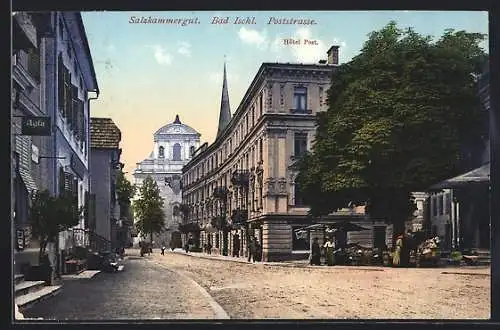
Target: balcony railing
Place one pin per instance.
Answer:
(240, 178)
(89, 239)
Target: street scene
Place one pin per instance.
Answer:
(298, 170)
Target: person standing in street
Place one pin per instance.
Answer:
(396, 258)
(315, 253)
(251, 249)
(236, 246)
(163, 250)
(329, 246)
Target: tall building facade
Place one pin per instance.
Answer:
(174, 145)
(243, 184)
(105, 165)
(57, 80)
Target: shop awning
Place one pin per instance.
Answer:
(28, 180)
(332, 227)
(479, 175)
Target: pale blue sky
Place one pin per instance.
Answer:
(147, 73)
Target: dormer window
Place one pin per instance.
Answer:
(161, 152)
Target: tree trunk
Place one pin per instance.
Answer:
(43, 245)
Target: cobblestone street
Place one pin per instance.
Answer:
(270, 291)
(142, 291)
(161, 287)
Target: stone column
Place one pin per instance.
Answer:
(277, 240)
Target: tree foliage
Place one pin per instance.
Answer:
(49, 215)
(149, 208)
(124, 189)
(398, 114)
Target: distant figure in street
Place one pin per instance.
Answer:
(209, 247)
(396, 258)
(315, 253)
(163, 250)
(236, 246)
(330, 247)
(251, 249)
(258, 251)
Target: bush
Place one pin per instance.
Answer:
(456, 256)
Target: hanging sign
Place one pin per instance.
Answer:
(32, 125)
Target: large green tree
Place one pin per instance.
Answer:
(148, 209)
(124, 189)
(398, 115)
(49, 215)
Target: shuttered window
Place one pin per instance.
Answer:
(34, 63)
(61, 84)
(67, 94)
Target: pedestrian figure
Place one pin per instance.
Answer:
(329, 246)
(315, 253)
(251, 249)
(209, 247)
(163, 250)
(257, 253)
(396, 258)
(236, 246)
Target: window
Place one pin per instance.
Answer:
(261, 105)
(161, 152)
(73, 109)
(191, 151)
(447, 204)
(253, 116)
(300, 98)
(299, 199)
(176, 152)
(434, 206)
(300, 144)
(246, 120)
(261, 151)
(440, 204)
(34, 63)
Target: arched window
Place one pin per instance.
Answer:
(161, 152)
(176, 155)
(191, 150)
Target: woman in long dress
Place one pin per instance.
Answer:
(396, 258)
(329, 246)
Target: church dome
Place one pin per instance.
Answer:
(176, 128)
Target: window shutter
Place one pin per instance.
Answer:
(68, 182)
(67, 97)
(62, 181)
(92, 212)
(86, 208)
(60, 83)
(81, 121)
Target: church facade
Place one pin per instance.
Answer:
(174, 145)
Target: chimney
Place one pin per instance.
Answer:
(333, 55)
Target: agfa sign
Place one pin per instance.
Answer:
(32, 125)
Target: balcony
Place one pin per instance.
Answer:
(240, 178)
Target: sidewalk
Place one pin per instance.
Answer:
(293, 264)
(463, 270)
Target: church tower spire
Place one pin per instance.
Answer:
(225, 110)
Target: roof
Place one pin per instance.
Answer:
(225, 109)
(176, 128)
(476, 176)
(104, 133)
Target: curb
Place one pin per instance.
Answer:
(467, 274)
(280, 264)
(219, 312)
